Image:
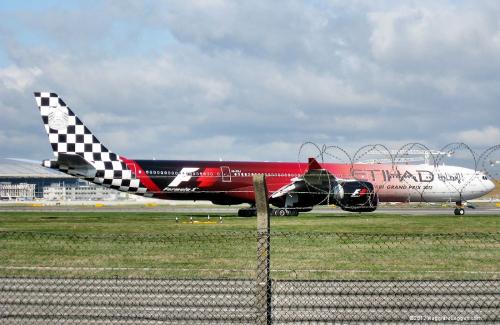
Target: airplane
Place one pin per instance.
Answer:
(293, 187)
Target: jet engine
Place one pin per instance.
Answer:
(319, 187)
(354, 196)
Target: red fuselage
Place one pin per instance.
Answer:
(230, 182)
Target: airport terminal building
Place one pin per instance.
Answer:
(24, 181)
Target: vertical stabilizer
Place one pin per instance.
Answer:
(66, 132)
(77, 150)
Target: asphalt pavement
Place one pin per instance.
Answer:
(404, 210)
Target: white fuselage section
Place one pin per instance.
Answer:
(425, 183)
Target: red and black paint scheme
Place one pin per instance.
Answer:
(293, 186)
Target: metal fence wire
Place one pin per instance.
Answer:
(217, 278)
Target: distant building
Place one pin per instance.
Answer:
(16, 172)
(22, 191)
(80, 192)
(23, 181)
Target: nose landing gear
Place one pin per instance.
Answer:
(459, 210)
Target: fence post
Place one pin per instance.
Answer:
(263, 251)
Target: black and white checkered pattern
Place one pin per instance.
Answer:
(70, 136)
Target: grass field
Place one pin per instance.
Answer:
(312, 246)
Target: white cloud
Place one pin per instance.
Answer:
(488, 136)
(253, 80)
(18, 79)
(436, 36)
(323, 89)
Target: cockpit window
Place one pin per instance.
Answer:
(485, 178)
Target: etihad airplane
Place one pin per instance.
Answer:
(293, 187)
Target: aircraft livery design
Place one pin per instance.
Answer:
(293, 187)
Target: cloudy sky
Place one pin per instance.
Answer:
(252, 79)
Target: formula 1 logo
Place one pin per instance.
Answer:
(184, 176)
(359, 192)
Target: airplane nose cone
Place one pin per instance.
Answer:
(490, 185)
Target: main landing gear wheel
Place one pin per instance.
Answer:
(284, 212)
(281, 212)
(251, 212)
(247, 212)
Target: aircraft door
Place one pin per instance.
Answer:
(226, 173)
(132, 168)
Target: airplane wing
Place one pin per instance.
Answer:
(320, 187)
(315, 179)
(29, 161)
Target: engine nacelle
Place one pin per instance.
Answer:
(355, 196)
(319, 188)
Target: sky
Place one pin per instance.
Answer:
(252, 80)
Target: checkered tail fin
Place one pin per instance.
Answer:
(79, 153)
(67, 134)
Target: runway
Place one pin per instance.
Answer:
(410, 210)
(139, 301)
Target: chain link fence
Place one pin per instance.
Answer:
(216, 278)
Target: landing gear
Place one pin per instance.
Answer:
(282, 212)
(459, 210)
(247, 212)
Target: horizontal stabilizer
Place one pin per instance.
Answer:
(75, 165)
